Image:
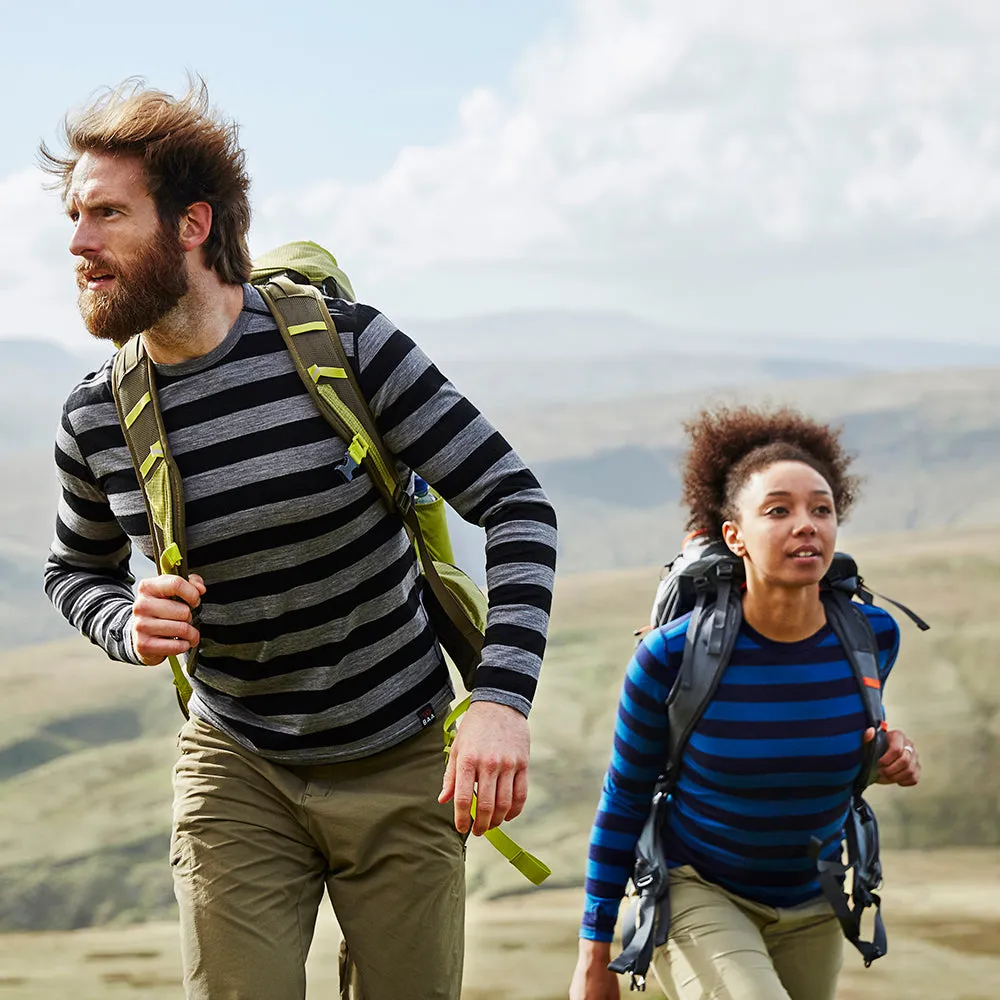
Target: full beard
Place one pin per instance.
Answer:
(144, 290)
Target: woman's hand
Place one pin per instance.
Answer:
(900, 764)
(592, 979)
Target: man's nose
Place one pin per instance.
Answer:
(84, 241)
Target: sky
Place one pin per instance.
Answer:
(781, 168)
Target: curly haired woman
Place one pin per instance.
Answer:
(774, 758)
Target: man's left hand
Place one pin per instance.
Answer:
(490, 755)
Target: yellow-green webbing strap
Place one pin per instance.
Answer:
(527, 864)
(314, 344)
(137, 403)
(170, 560)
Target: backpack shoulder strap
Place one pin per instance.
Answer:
(311, 336)
(708, 645)
(134, 389)
(133, 386)
(852, 628)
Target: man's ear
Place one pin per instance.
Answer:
(195, 225)
(733, 538)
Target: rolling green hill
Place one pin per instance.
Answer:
(86, 754)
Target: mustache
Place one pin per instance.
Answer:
(96, 266)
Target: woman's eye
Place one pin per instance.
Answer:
(775, 511)
(823, 510)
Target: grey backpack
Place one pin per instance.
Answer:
(706, 579)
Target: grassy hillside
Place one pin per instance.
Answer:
(86, 753)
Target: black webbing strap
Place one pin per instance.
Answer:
(868, 596)
(857, 638)
(647, 922)
(711, 633)
(852, 628)
(863, 858)
(719, 620)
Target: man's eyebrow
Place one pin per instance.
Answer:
(93, 204)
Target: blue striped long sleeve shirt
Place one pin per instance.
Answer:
(770, 764)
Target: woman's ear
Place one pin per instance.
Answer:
(733, 538)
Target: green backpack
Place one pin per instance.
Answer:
(292, 279)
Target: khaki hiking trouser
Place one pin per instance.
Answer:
(725, 947)
(255, 844)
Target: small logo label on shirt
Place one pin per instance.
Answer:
(426, 716)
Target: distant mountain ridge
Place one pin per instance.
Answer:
(507, 360)
(927, 447)
(598, 333)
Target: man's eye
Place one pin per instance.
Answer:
(73, 216)
(108, 212)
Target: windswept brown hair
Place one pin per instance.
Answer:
(188, 154)
(729, 444)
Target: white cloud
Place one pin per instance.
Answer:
(663, 136)
(37, 290)
(726, 164)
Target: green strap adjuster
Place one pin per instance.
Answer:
(316, 372)
(313, 326)
(133, 414)
(171, 558)
(535, 871)
(155, 452)
(357, 449)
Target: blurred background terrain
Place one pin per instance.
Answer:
(86, 752)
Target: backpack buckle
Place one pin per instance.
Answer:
(403, 500)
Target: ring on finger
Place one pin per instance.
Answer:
(909, 749)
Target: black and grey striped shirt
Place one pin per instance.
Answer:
(315, 646)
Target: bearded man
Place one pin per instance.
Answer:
(308, 763)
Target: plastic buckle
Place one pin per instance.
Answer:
(347, 466)
(403, 500)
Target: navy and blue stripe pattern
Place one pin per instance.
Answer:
(770, 765)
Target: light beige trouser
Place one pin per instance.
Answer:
(255, 844)
(725, 947)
